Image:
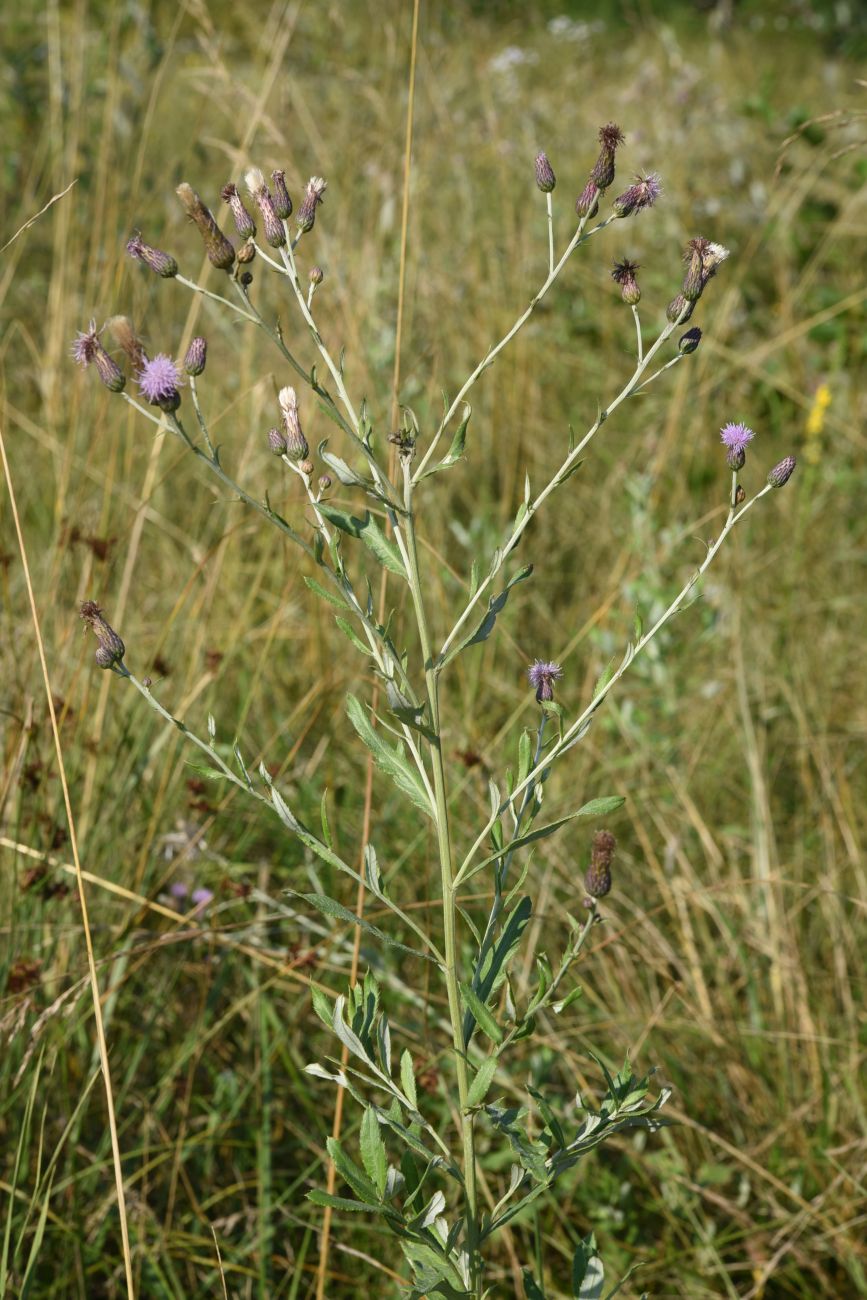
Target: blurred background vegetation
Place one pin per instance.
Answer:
(733, 955)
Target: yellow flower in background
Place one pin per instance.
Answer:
(815, 424)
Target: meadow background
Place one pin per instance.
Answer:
(733, 957)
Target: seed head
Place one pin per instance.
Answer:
(316, 187)
(197, 355)
(610, 136)
(220, 252)
(689, 341)
(624, 275)
(282, 201)
(642, 194)
(111, 649)
(244, 223)
(587, 203)
(159, 381)
(87, 350)
(782, 472)
(162, 263)
(545, 178)
(597, 880)
(542, 677)
(271, 223)
(296, 443)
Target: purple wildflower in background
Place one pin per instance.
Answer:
(159, 381)
(179, 890)
(542, 677)
(642, 194)
(202, 896)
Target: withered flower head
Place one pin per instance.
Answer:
(220, 252)
(624, 275)
(111, 649)
(642, 194)
(597, 880)
(162, 263)
(87, 350)
(316, 187)
(244, 223)
(296, 443)
(610, 136)
(275, 234)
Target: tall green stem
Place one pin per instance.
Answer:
(449, 893)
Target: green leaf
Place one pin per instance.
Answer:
(456, 450)
(364, 1187)
(330, 596)
(495, 607)
(603, 679)
(480, 1014)
(601, 807)
(322, 1006)
(531, 1286)
(336, 1202)
(588, 1275)
(345, 473)
(393, 761)
(212, 773)
(482, 1082)
(367, 530)
(349, 631)
(330, 907)
(561, 1006)
(373, 1151)
(407, 1078)
(555, 1128)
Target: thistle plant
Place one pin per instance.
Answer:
(419, 1177)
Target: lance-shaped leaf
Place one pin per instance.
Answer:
(330, 907)
(478, 1013)
(595, 808)
(588, 1275)
(367, 530)
(390, 759)
(373, 1151)
(495, 607)
(456, 450)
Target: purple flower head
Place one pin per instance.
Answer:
(162, 263)
(642, 194)
(542, 676)
(87, 350)
(282, 201)
(196, 356)
(179, 890)
(159, 381)
(736, 437)
(244, 223)
(781, 473)
(202, 897)
(610, 136)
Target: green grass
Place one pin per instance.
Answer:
(733, 954)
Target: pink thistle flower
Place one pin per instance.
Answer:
(640, 195)
(159, 381)
(542, 677)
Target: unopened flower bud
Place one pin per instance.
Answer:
(736, 458)
(317, 275)
(306, 467)
(220, 252)
(324, 482)
(610, 136)
(642, 194)
(597, 880)
(271, 223)
(781, 473)
(162, 263)
(624, 275)
(296, 443)
(111, 649)
(545, 177)
(276, 442)
(679, 310)
(197, 355)
(244, 223)
(247, 279)
(246, 253)
(587, 203)
(282, 201)
(693, 280)
(316, 187)
(689, 341)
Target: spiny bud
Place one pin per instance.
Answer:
(324, 482)
(282, 201)
(642, 194)
(545, 178)
(679, 310)
(597, 880)
(271, 223)
(296, 443)
(781, 473)
(624, 275)
(162, 263)
(610, 136)
(87, 350)
(694, 281)
(736, 458)
(244, 223)
(316, 187)
(689, 341)
(317, 275)
(197, 355)
(587, 203)
(276, 442)
(111, 649)
(220, 252)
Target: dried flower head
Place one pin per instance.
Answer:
(610, 136)
(679, 309)
(689, 341)
(587, 203)
(545, 178)
(159, 382)
(317, 275)
(782, 472)
(275, 233)
(162, 263)
(247, 252)
(713, 255)
(220, 252)
(694, 279)
(87, 350)
(197, 356)
(624, 275)
(244, 223)
(121, 327)
(642, 194)
(542, 677)
(597, 880)
(296, 443)
(316, 187)
(282, 201)
(111, 649)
